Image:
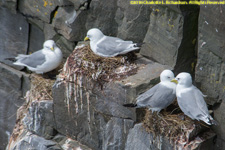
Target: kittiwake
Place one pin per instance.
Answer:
(159, 96)
(107, 46)
(41, 61)
(190, 99)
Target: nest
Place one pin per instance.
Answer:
(166, 124)
(41, 88)
(172, 124)
(102, 69)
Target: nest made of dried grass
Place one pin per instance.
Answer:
(41, 88)
(172, 124)
(102, 69)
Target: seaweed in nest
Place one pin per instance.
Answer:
(41, 88)
(84, 62)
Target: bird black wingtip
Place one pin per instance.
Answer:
(214, 122)
(130, 105)
(11, 59)
(139, 44)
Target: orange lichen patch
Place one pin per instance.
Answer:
(46, 13)
(38, 10)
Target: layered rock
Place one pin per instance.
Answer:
(13, 85)
(210, 69)
(94, 115)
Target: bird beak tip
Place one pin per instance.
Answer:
(86, 38)
(174, 80)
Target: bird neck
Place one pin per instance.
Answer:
(97, 38)
(57, 51)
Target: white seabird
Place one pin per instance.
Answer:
(107, 46)
(159, 96)
(41, 61)
(190, 99)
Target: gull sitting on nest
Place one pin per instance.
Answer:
(159, 96)
(107, 46)
(41, 61)
(190, 99)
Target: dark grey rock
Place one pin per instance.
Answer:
(10, 4)
(95, 115)
(115, 133)
(210, 69)
(36, 39)
(169, 40)
(14, 35)
(93, 17)
(68, 143)
(133, 20)
(11, 90)
(66, 46)
(78, 4)
(138, 138)
(32, 141)
(39, 119)
(44, 10)
(64, 20)
(49, 31)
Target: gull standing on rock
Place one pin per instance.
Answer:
(190, 99)
(159, 96)
(41, 61)
(107, 46)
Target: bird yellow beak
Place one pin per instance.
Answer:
(174, 80)
(52, 48)
(86, 38)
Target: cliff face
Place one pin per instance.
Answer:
(83, 114)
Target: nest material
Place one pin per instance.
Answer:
(41, 88)
(166, 124)
(172, 124)
(102, 69)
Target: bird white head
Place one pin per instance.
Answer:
(166, 75)
(49, 44)
(184, 79)
(94, 34)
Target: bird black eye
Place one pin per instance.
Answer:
(178, 78)
(168, 77)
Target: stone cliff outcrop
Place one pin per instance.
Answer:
(183, 38)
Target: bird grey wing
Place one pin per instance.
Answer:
(112, 45)
(147, 95)
(192, 105)
(33, 60)
(162, 97)
(200, 100)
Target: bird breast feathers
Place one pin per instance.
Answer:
(181, 89)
